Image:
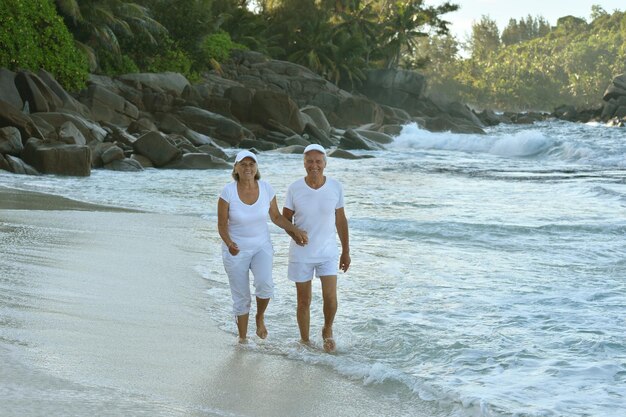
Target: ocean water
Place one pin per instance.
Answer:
(488, 272)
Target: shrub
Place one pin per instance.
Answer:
(33, 36)
(216, 48)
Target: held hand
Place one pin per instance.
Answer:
(233, 249)
(301, 237)
(344, 262)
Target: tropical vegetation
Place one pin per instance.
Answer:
(527, 65)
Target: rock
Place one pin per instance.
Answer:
(213, 150)
(292, 149)
(353, 140)
(171, 82)
(343, 154)
(213, 125)
(69, 103)
(91, 131)
(107, 106)
(39, 96)
(198, 161)
(17, 166)
(4, 164)
(616, 89)
(276, 106)
(69, 133)
(125, 164)
(296, 140)
(156, 148)
(356, 111)
(8, 90)
(10, 141)
(112, 153)
(240, 102)
(142, 160)
(58, 158)
(10, 116)
(142, 125)
(378, 137)
(319, 118)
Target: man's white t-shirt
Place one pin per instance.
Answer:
(314, 212)
(247, 223)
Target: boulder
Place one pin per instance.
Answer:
(58, 158)
(213, 125)
(261, 145)
(156, 147)
(124, 164)
(91, 131)
(10, 141)
(8, 90)
(17, 166)
(142, 125)
(142, 160)
(69, 103)
(276, 106)
(356, 111)
(318, 117)
(616, 89)
(353, 140)
(69, 133)
(4, 164)
(39, 96)
(240, 102)
(112, 153)
(343, 154)
(107, 106)
(10, 116)
(171, 82)
(378, 137)
(198, 161)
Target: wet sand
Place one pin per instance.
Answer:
(103, 314)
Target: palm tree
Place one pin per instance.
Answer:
(404, 22)
(96, 24)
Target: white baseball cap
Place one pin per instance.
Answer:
(314, 147)
(245, 154)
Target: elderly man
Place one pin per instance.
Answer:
(315, 204)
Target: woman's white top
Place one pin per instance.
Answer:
(247, 223)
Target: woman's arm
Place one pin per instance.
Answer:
(222, 226)
(285, 223)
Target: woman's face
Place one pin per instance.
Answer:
(246, 169)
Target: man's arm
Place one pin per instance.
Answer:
(341, 223)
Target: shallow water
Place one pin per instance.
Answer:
(488, 275)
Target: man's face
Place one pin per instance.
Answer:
(314, 163)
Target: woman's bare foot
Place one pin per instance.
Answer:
(329, 342)
(261, 331)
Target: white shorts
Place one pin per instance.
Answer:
(303, 271)
(238, 269)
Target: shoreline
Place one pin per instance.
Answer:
(116, 312)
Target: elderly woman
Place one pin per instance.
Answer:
(242, 211)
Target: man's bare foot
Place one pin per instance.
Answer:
(329, 342)
(243, 340)
(261, 331)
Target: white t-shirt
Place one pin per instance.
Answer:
(247, 223)
(314, 212)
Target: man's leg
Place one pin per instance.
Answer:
(304, 309)
(329, 293)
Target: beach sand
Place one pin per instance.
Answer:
(104, 315)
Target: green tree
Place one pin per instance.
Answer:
(485, 38)
(33, 36)
(97, 25)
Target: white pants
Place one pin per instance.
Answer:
(238, 269)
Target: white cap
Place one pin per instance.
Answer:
(314, 147)
(245, 154)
